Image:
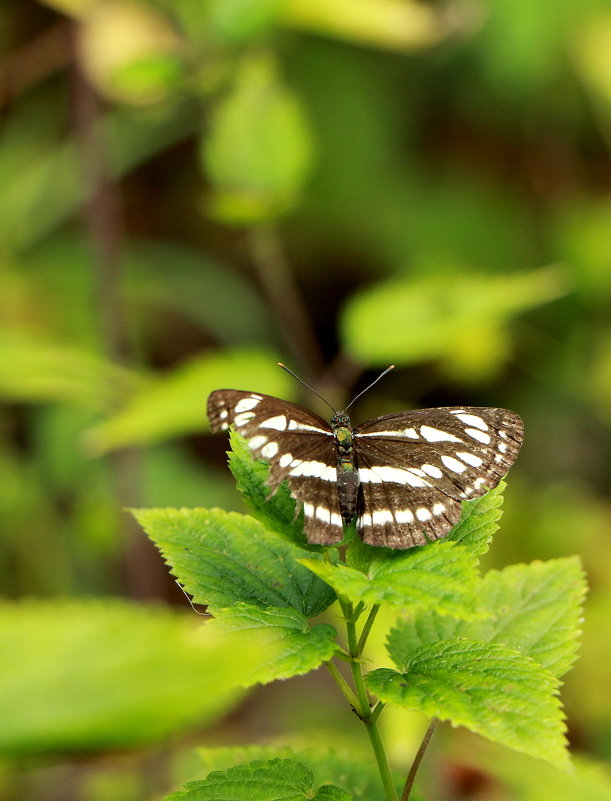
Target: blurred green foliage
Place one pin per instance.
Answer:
(433, 184)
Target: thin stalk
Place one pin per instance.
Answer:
(409, 783)
(366, 715)
(342, 684)
(366, 629)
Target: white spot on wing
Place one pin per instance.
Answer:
(381, 516)
(336, 519)
(480, 436)
(473, 420)
(308, 509)
(438, 508)
(257, 441)
(405, 432)
(242, 419)
(423, 514)
(377, 475)
(295, 426)
(502, 447)
(223, 414)
(313, 469)
(269, 450)
(278, 422)
(453, 464)
(324, 515)
(246, 404)
(404, 516)
(436, 435)
(470, 458)
(285, 459)
(432, 470)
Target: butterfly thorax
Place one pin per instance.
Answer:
(347, 475)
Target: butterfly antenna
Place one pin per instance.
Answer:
(301, 381)
(388, 369)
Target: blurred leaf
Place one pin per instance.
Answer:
(175, 404)
(447, 317)
(592, 55)
(35, 370)
(43, 181)
(358, 776)
(390, 24)
(526, 779)
(129, 52)
(276, 780)
(166, 275)
(90, 676)
(288, 645)
(257, 169)
(278, 512)
(535, 609)
(582, 237)
(441, 576)
(238, 20)
(223, 558)
(489, 688)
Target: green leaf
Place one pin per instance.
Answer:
(100, 675)
(223, 558)
(175, 404)
(288, 645)
(276, 780)
(356, 775)
(257, 169)
(277, 511)
(534, 608)
(441, 576)
(477, 523)
(487, 687)
(449, 315)
(34, 370)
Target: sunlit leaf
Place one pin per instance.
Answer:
(99, 675)
(175, 404)
(489, 688)
(287, 644)
(223, 558)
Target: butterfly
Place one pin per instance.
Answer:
(403, 475)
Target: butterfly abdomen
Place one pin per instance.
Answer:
(347, 476)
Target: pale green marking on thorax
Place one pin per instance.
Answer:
(343, 436)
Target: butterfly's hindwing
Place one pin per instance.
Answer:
(299, 447)
(414, 468)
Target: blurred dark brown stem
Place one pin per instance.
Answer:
(32, 63)
(418, 759)
(279, 285)
(144, 573)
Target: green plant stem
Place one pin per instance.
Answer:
(409, 783)
(366, 629)
(343, 685)
(365, 712)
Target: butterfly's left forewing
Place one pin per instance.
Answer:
(299, 447)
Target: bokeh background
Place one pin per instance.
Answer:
(191, 190)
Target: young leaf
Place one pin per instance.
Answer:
(441, 576)
(277, 511)
(223, 558)
(487, 687)
(288, 644)
(276, 780)
(478, 521)
(358, 776)
(534, 608)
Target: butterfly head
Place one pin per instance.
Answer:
(340, 420)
